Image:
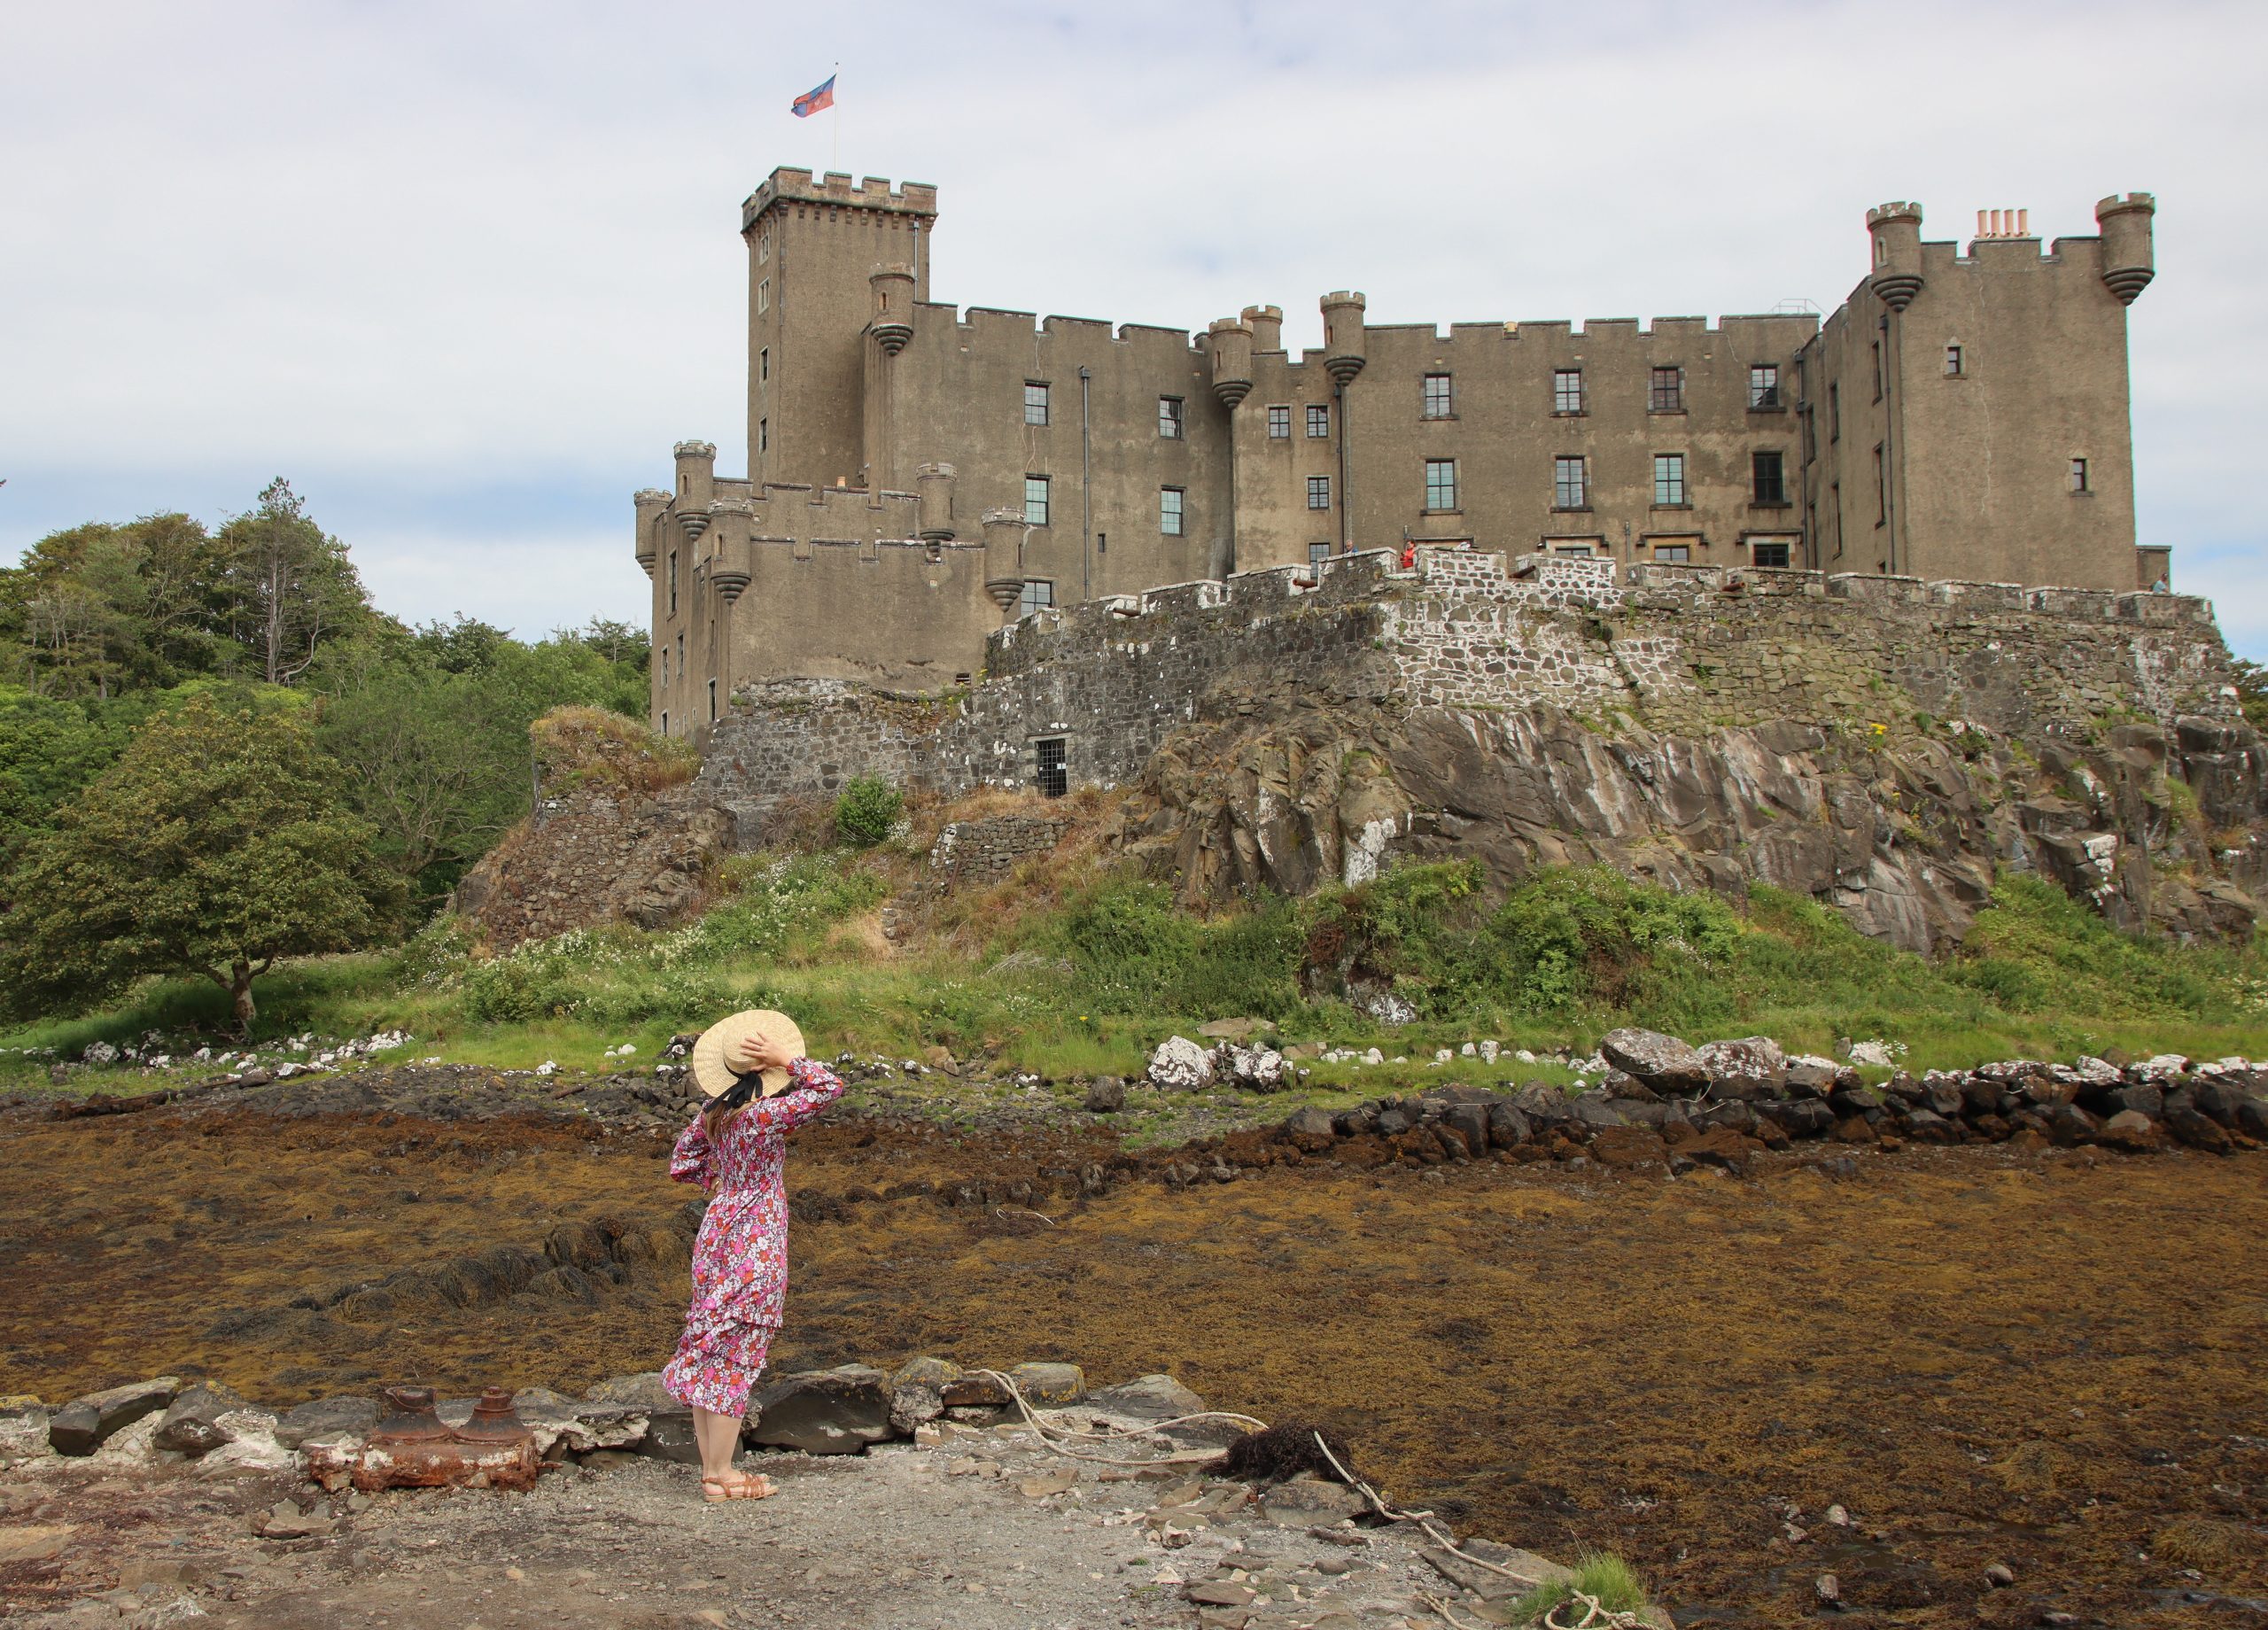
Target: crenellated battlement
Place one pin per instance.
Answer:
(792, 186)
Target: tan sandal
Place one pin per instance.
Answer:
(736, 1485)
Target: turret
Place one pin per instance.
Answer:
(1342, 336)
(2128, 262)
(650, 502)
(1004, 558)
(1230, 339)
(1267, 325)
(934, 484)
(696, 485)
(1896, 230)
(893, 307)
(734, 561)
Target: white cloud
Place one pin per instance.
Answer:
(429, 256)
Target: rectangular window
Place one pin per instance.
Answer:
(1568, 485)
(2080, 475)
(1437, 397)
(1877, 356)
(1054, 764)
(1667, 392)
(665, 667)
(672, 582)
(1882, 490)
(1318, 491)
(712, 702)
(1673, 552)
(1567, 390)
(1581, 550)
(1279, 423)
(764, 296)
(1035, 500)
(1953, 358)
(1834, 413)
(1037, 593)
(1441, 484)
(680, 657)
(665, 723)
(1169, 510)
(763, 246)
(764, 363)
(1317, 553)
(1772, 555)
(1318, 421)
(1835, 509)
(1768, 474)
(1035, 403)
(1170, 417)
(764, 435)
(1669, 477)
(1764, 385)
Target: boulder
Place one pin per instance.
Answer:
(1251, 1069)
(1722, 1148)
(642, 1391)
(2148, 1099)
(1180, 1065)
(2252, 1117)
(1388, 1008)
(1508, 1127)
(1811, 1076)
(1629, 1146)
(1662, 1062)
(84, 1425)
(2129, 1129)
(1147, 1398)
(1595, 1111)
(1544, 1106)
(2164, 1068)
(1926, 1126)
(1106, 1096)
(1732, 1115)
(1306, 1501)
(1803, 1117)
(1308, 1129)
(1753, 1067)
(1048, 1383)
(327, 1418)
(837, 1411)
(192, 1426)
(669, 1436)
(1469, 1122)
(2216, 1100)
(2196, 1130)
(2068, 1125)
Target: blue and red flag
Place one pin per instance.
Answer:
(812, 101)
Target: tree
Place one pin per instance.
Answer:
(284, 586)
(216, 846)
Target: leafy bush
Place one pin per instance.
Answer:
(868, 808)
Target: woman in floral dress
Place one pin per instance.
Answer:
(735, 1148)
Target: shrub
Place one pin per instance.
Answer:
(867, 809)
(1600, 1575)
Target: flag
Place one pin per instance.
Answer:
(812, 101)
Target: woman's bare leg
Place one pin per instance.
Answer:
(718, 1437)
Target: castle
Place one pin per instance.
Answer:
(918, 476)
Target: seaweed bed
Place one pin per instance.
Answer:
(2054, 1362)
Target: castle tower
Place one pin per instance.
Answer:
(1896, 230)
(650, 502)
(696, 485)
(814, 246)
(934, 484)
(2128, 260)
(1342, 337)
(1229, 339)
(1267, 325)
(1004, 559)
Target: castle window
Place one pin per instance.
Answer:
(1169, 510)
(1568, 488)
(665, 667)
(1676, 553)
(1441, 485)
(680, 656)
(1882, 489)
(763, 296)
(1035, 500)
(1318, 491)
(764, 363)
(1665, 392)
(2080, 475)
(1318, 554)
(1035, 403)
(1953, 359)
(1834, 413)
(672, 582)
(1768, 478)
(1437, 397)
(665, 721)
(1318, 421)
(1669, 478)
(1037, 592)
(764, 435)
(763, 246)
(1053, 765)
(1764, 386)
(1169, 410)
(1567, 390)
(1877, 356)
(1279, 423)
(1772, 555)
(712, 702)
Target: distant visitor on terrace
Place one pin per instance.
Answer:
(760, 1086)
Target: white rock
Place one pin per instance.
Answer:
(549, 1067)
(1388, 1008)
(1488, 1051)
(1374, 1057)
(1443, 1055)
(1467, 1050)
(99, 1053)
(1181, 1064)
(1524, 1056)
(1879, 1054)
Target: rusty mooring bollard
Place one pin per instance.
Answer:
(495, 1423)
(413, 1447)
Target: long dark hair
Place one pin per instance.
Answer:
(744, 1090)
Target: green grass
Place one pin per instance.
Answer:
(1599, 1574)
(1088, 988)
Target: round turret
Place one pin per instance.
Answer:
(1230, 339)
(1267, 325)
(1004, 558)
(1896, 230)
(650, 502)
(733, 563)
(1342, 336)
(934, 484)
(2128, 260)
(696, 485)
(893, 318)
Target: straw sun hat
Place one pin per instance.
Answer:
(715, 1076)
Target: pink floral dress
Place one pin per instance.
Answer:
(740, 1259)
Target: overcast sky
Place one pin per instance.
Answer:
(463, 272)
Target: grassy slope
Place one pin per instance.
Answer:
(1101, 969)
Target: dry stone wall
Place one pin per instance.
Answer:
(588, 855)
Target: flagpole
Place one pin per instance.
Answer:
(835, 125)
